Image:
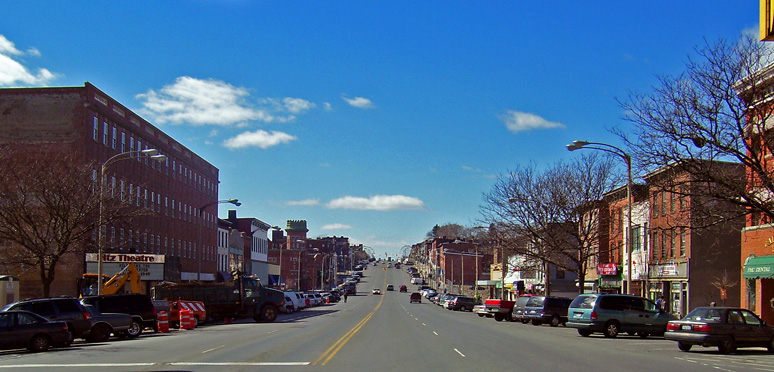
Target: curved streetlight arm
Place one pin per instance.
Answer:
(154, 155)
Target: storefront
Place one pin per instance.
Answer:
(610, 278)
(759, 285)
(671, 281)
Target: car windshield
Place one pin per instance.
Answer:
(705, 314)
(584, 302)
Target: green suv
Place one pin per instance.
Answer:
(612, 314)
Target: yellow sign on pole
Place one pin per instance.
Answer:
(767, 20)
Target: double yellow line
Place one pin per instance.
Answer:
(334, 349)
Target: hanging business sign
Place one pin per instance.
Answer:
(607, 269)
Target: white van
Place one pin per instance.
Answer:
(298, 301)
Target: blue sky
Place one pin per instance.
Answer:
(374, 120)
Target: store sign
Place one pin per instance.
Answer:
(607, 269)
(667, 270)
(150, 266)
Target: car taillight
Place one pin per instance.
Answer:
(672, 326)
(86, 315)
(65, 327)
(702, 328)
(593, 315)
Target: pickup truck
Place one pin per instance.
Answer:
(495, 308)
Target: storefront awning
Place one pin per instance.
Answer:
(759, 267)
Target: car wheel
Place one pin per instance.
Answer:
(481, 315)
(584, 332)
(499, 317)
(770, 346)
(612, 329)
(555, 321)
(683, 346)
(39, 343)
(463, 308)
(524, 321)
(100, 333)
(135, 329)
(727, 345)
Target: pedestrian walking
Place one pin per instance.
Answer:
(660, 303)
(345, 297)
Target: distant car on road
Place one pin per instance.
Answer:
(390, 287)
(403, 288)
(728, 328)
(377, 291)
(415, 297)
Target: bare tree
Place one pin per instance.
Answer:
(48, 208)
(714, 113)
(542, 215)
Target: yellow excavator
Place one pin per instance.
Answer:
(88, 282)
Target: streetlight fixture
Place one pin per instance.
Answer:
(155, 156)
(201, 223)
(577, 145)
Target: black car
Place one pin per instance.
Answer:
(23, 329)
(415, 297)
(66, 309)
(728, 328)
(461, 303)
(139, 306)
(547, 309)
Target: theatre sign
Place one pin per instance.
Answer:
(150, 266)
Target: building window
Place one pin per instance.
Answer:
(663, 203)
(682, 242)
(115, 138)
(105, 131)
(663, 244)
(672, 238)
(139, 148)
(123, 142)
(636, 238)
(655, 205)
(95, 132)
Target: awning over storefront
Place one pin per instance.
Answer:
(759, 267)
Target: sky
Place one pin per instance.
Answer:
(374, 120)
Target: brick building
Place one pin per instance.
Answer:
(88, 122)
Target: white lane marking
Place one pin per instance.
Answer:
(458, 352)
(424, 324)
(276, 330)
(123, 365)
(436, 333)
(213, 349)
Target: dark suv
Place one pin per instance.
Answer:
(66, 309)
(139, 306)
(461, 303)
(547, 309)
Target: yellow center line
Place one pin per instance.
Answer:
(334, 349)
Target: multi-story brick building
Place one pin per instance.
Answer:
(87, 122)
(690, 250)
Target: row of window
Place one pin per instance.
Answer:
(146, 198)
(666, 202)
(152, 244)
(113, 137)
(666, 244)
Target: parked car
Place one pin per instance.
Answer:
(481, 311)
(313, 300)
(728, 328)
(518, 309)
(299, 302)
(105, 324)
(139, 306)
(612, 314)
(23, 329)
(289, 306)
(415, 297)
(461, 303)
(547, 309)
(66, 309)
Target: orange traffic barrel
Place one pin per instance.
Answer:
(186, 319)
(162, 318)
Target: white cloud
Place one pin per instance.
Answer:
(200, 102)
(377, 203)
(359, 102)
(471, 169)
(13, 72)
(327, 106)
(336, 226)
(213, 102)
(306, 202)
(259, 138)
(517, 121)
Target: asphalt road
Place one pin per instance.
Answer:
(383, 333)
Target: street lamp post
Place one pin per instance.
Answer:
(154, 155)
(201, 223)
(577, 145)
